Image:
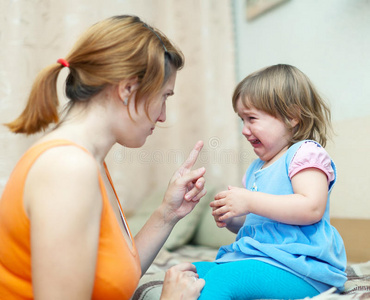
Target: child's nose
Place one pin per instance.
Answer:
(246, 130)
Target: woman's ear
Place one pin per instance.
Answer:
(126, 88)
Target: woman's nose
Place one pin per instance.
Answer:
(162, 116)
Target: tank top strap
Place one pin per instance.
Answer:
(123, 217)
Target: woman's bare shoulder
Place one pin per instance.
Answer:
(65, 162)
(65, 173)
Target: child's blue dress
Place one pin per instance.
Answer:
(313, 252)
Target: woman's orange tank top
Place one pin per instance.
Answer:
(118, 266)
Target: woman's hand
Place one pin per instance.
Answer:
(185, 188)
(182, 282)
(184, 191)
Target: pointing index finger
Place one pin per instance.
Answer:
(193, 156)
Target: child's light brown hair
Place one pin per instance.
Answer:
(118, 48)
(284, 92)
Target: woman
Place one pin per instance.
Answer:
(59, 212)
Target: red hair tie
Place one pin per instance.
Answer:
(63, 62)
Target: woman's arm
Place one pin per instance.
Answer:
(184, 191)
(63, 201)
(306, 206)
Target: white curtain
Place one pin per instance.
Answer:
(35, 33)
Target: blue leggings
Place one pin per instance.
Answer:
(250, 279)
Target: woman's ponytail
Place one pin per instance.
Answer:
(42, 105)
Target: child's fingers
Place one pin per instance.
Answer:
(224, 217)
(220, 224)
(217, 203)
(219, 212)
(221, 195)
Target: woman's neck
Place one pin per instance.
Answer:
(87, 127)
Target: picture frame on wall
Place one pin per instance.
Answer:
(255, 8)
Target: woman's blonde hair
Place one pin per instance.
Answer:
(121, 47)
(284, 92)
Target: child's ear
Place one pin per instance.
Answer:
(294, 122)
(296, 113)
(126, 88)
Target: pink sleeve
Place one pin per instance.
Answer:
(311, 155)
(244, 179)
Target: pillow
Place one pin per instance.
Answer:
(183, 231)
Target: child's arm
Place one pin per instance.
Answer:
(306, 206)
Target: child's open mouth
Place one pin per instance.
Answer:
(255, 142)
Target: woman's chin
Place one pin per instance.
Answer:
(135, 144)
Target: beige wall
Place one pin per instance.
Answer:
(34, 34)
(350, 150)
(328, 40)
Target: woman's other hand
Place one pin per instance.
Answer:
(182, 282)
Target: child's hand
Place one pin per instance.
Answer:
(229, 204)
(219, 223)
